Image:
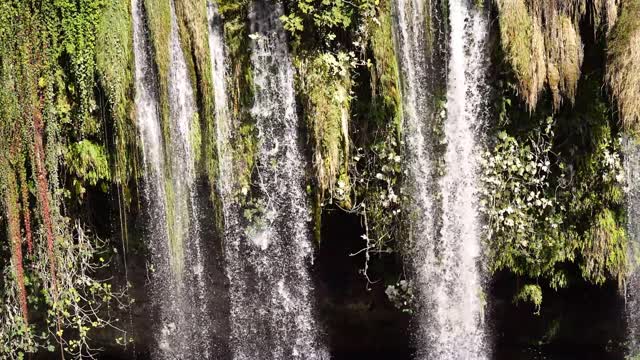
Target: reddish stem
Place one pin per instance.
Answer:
(26, 213)
(16, 242)
(43, 190)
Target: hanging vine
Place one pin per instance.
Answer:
(49, 295)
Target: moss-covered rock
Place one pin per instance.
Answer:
(114, 67)
(158, 17)
(325, 85)
(385, 76)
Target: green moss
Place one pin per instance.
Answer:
(240, 90)
(88, 164)
(114, 67)
(158, 16)
(385, 83)
(244, 155)
(236, 33)
(324, 84)
(325, 94)
(542, 45)
(522, 43)
(193, 28)
(605, 249)
(192, 20)
(176, 227)
(625, 28)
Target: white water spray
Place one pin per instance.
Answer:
(459, 296)
(271, 290)
(178, 289)
(446, 263)
(631, 151)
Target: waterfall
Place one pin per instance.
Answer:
(460, 296)
(267, 265)
(178, 288)
(631, 151)
(148, 120)
(446, 237)
(411, 41)
(414, 66)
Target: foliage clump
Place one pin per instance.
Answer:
(530, 293)
(349, 86)
(524, 215)
(50, 294)
(325, 22)
(552, 193)
(402, 296)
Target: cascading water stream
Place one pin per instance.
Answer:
(459, 296)
(178, 288)
(224, 123)
(411, 42)
(270, 286)
(186, 206)
(148, 121)
(631, 151)
(445, 240)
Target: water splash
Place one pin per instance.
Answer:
(631, 151)
(445, 240)
(179, 291)
(270, 286)
(417, 98)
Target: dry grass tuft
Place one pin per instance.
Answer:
(523, 43)
(623, 68)
(564, 55)
(604, 12)
(542, 43)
